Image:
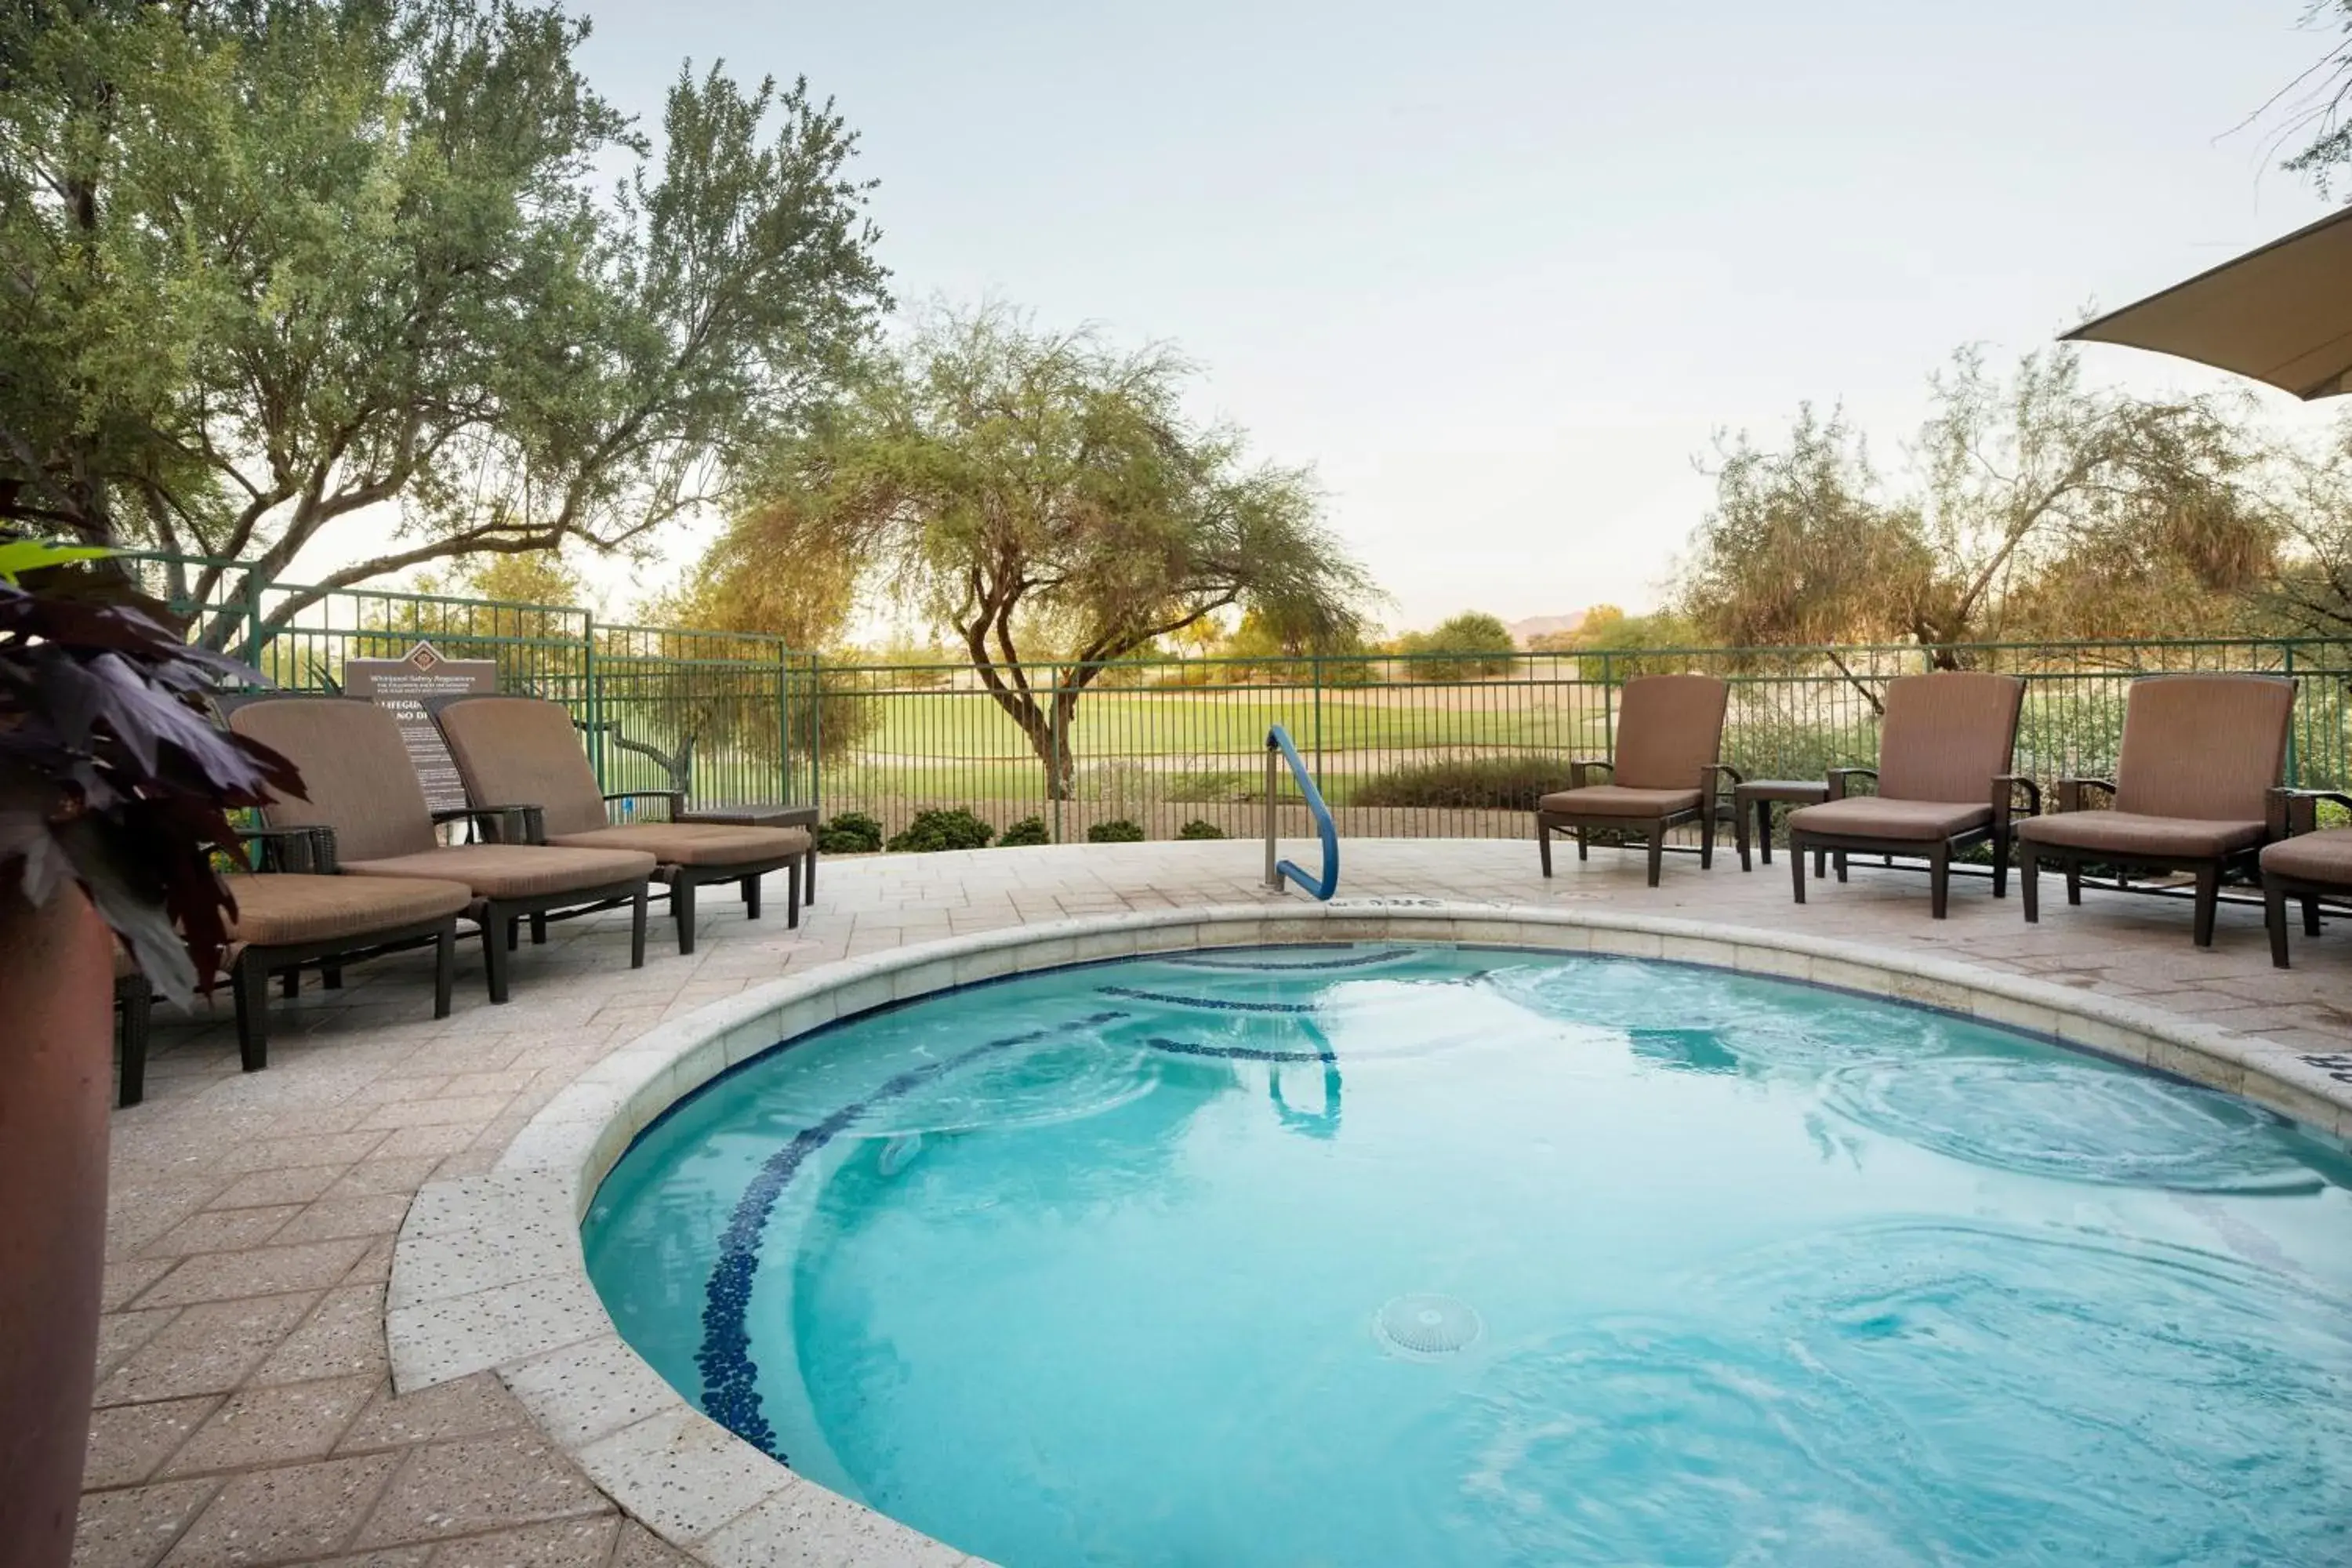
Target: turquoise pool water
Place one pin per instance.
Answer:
(1405, 1255)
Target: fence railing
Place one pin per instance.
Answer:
(1438, 746)
(729, 716)
(1419, 746)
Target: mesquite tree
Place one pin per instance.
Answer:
(1045, 497)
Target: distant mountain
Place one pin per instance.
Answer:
(1534, 626)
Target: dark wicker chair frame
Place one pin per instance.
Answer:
(528, 824)
(498, 917)
(1653, 829)
(2278, 887)
(2210, 870)
(312, 849)
(1938, 852)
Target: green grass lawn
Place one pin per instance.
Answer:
(1226, 724)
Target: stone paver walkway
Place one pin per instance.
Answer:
(245, 1412)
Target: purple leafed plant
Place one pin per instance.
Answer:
(111, 773)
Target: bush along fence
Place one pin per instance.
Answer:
(921, 756)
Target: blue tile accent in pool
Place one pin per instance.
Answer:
(730, 1379)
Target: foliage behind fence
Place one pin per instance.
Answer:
(1398, 746)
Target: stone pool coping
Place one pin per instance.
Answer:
(489, 1275)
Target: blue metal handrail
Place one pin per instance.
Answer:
(1277, 743)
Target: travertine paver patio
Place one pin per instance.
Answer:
(245, 1412)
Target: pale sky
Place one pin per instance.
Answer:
(1498, 270)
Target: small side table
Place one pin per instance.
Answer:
(768, 816)
(1753, 799)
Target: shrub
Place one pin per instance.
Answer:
(1199, 828)
(931, 831)
(1214, 787)
(1118, 830)
(850, 833)
(1476, 784)
(1027, 831)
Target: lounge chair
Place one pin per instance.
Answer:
(289, 914)
(1666, 772)
(525, 749)
(1944, 783)
(2196, 789)
(2305, 866)
(364, 791)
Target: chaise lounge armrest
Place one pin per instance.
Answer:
(1579, 770)
(2004, 796)
(291, 849)
(2293, 812)
(676, 798)
(2071, 793)
(1839, 780)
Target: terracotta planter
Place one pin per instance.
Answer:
(57, 1011)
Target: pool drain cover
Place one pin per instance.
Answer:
(1427, 1325)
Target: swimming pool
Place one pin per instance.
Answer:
(1394, 1252)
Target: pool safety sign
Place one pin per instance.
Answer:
(404, 685)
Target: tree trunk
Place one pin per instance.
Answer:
(56, 970)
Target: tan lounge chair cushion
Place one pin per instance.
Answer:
(1669, 730)
(524, 750)
(355, 768)
(2208, 746)
(695, 842)
(288, 909)
(513, 870)
(1897, 821)
(1946, 735)
(2131, 833)
(2314, 857)
(1616, 800)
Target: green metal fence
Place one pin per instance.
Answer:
(728, 717)
(1422, 746)
(1426, 747)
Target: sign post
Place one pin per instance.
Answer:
(403, 685)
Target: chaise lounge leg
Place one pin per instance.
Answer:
(751, 893)
(330, 976)
(2208, 899)
(1837, 858)
(2274, 918)
(538, 928)
(289, 983)
(1707, 838)
(2311, 915)
(445, 966)
(793, 895)
(2000, 853)
(1584, 843)
(1657, 851)
(1543, 845)
(251, 983)
(2028, 883)
(681, 909)
(497, 931)
(2074, 881)
(637, 929)
(138, 1002)
(1797, 867)
(1939, 881)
